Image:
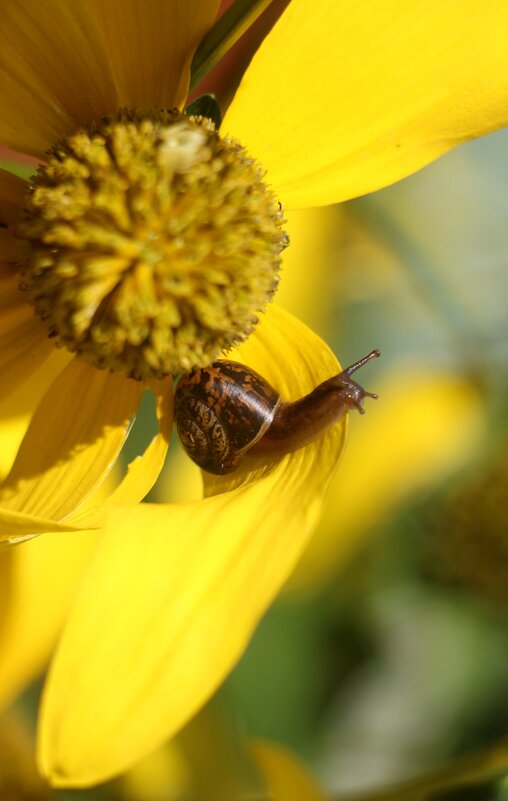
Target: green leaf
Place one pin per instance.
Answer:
(230, 26)
(205, 106)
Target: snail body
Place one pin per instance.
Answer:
(226, 410)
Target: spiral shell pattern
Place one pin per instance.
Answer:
(221, 411)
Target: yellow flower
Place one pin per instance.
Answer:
(285, 776)
(337, 102)
(171, 773)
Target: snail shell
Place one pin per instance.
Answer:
(221, 411)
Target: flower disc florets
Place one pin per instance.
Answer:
(152, 243)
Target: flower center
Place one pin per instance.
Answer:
(151, 243)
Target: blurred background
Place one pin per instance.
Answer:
(386, 656)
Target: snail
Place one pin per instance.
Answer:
(226, 410)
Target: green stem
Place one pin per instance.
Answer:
(484, 766)
(23, 171)
(223, 35)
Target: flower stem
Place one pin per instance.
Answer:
(230, 26)
(483, 766)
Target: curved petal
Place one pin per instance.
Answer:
(17, 410)
(285, 776)
(16, 527)
(175, 592)
(72, 442)
(54, 72)
(181, 481)
(24, 343)
(49, 570)
(19, 773)
(310, 265)
(345, 98)
(12, 431)
(144, 470)
(166, 767)
(64, 65)
(151, 45)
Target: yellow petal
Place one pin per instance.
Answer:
(24, 343)
(176, 591)
(286, 778)
(47, 569)
(344, 98)
(12, 431)
(19, 773)
(163, 775)
(54, 73)
(16, 527)
(310, 263)
(151, 45)
(72, 442)
(144, 471)
(182, 480)
(65, 64)
(17, 410)
(426, 425)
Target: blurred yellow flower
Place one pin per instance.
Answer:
(174, 591)
(19, 780)
(285, 776)
(202, 762)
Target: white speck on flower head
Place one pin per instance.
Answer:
(181, 147)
